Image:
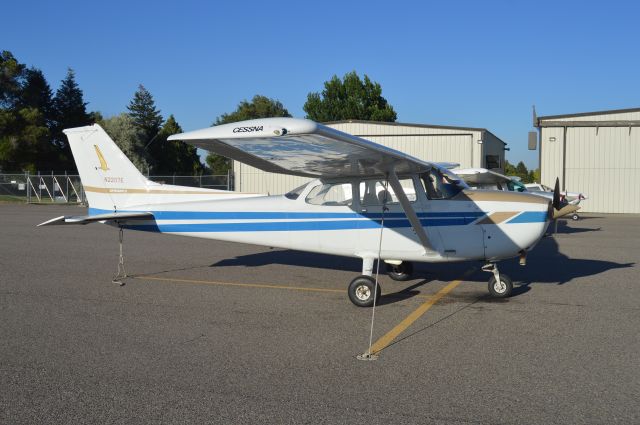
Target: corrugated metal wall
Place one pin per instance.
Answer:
(428, 143)
(602, 162)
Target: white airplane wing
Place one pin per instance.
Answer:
(305, 148)
(301, 147)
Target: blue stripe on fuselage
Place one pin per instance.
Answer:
(290, 215)
(294, 226)
(357, 222)
(529, 217)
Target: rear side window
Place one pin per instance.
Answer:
(331, 194)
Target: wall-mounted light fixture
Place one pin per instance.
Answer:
(552, 139)
(480, 141)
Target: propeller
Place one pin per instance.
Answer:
(556, 195)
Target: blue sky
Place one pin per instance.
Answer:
(466, 63)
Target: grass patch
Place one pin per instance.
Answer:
(12, 199)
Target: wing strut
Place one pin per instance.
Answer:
(409, 211)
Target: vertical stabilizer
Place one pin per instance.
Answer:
(104, 169)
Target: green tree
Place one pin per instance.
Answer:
(509, 169)
(520, 170)
(142, 109)
(349, 99)
(36, 93)
(259, 107)
(70, 111)
(11, 77)
(129, 137)
(25, 102)
(534, 176)
(145, 115)
(174, 157)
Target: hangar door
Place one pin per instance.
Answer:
(604, 163)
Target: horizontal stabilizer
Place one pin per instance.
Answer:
(448, 165)
(86, 219)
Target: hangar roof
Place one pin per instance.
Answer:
(401, 124)
(586, 114)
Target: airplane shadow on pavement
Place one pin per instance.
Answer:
(546, 265)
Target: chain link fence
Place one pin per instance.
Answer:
(65, 188)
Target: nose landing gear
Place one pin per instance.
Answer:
(500, 285)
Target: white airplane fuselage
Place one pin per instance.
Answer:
(473, 225)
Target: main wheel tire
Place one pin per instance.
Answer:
(575, 217)
(502, 289)
(400, 272)
(362, 290)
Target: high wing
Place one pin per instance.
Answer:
(301, 147)
(305, 148)
(86, 219)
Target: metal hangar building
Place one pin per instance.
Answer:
(470, 147)
(596, 153)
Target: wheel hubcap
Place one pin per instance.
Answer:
(499, 287)
(363, 292)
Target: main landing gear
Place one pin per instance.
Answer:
(363, 291)
(500, 285)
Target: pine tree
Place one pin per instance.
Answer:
(70, 111)
(11, 78)
(174, 157)
(36, 93)
(25, 115)
(142, 109)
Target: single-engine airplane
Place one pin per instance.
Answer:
(366, 201)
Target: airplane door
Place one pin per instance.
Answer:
(399, 239)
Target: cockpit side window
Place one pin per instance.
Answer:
(331, 194)
(439, 185)
(379, 192)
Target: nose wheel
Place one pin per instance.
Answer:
(500, 285)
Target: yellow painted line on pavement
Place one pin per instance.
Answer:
(388, 338)
(243, 285)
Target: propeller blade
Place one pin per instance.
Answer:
(556, 195)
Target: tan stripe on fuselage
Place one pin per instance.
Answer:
(157, 191)
(498, 217)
